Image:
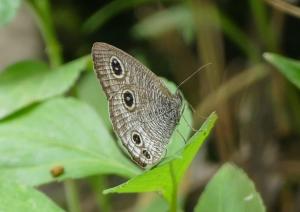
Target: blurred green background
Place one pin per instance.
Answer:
(258, 108)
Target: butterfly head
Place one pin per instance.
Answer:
(179, 94)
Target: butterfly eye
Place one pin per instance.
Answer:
(136, 139)
(146, 154)
(128, 99)
(116, 67)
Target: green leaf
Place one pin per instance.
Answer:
(288, 67)
(177, 17)
(8, 10)
(61, 132)
(15, 197)
(27, 82)
(90, 91)
(166, 177)
(230, 190)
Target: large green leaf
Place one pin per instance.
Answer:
(61, 132)
(15, 197)
(290, 68)
(166, 177)
(230, 190)
(27, 82)
(8, 9)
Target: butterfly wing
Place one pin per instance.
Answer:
(143, 111)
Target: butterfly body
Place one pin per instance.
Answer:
(144, 113)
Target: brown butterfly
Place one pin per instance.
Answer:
(144, 113)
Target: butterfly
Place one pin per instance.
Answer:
(143, 112)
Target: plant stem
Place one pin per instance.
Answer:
(173, 206)
(98, 184)
(72, 196)
(236, 84)
(239, 38)
(42, 10)
(263, 26)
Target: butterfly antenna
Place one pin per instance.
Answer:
(189, 77)
(188, 124)
(195, 112)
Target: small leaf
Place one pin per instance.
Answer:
(28, 82)
(8, 10)
(166, 177)
(64, 133)
(16, 197)
(230, 190)
(173, 18)
(288, 67)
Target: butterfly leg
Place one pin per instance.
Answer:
(190, 126)
(185, 141)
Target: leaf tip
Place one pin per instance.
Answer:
(268, 56)
(212, 118)
(107, 191)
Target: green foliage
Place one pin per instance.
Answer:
(290, 68)
(63, 132)
(230, 190)
(42, 10)
(8, 9)
(166, 177)
(18, 197)
(175, 18)
(264, 27)
(27, 82)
